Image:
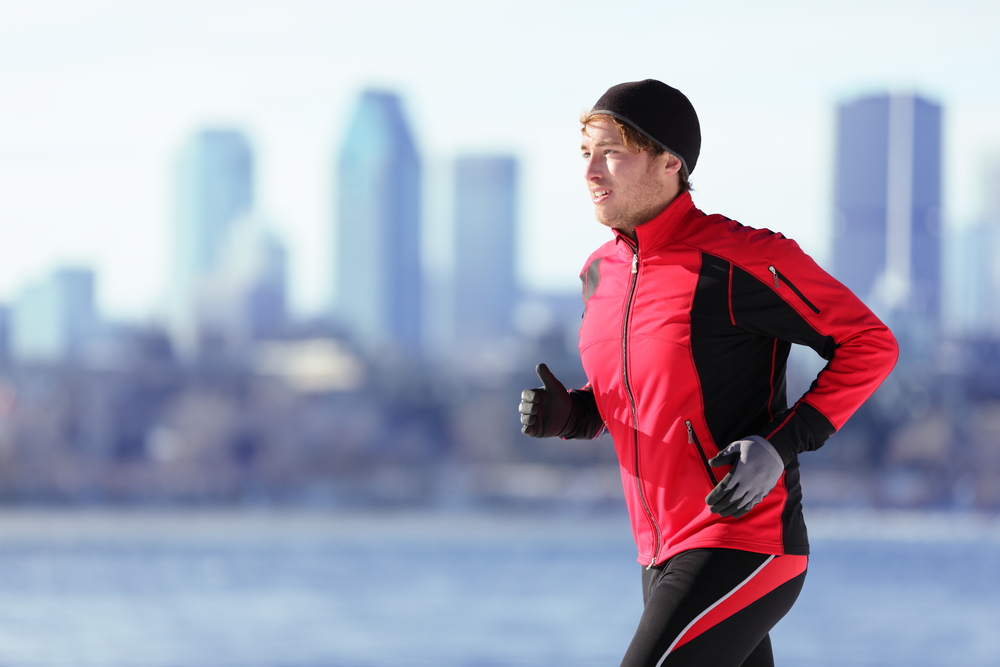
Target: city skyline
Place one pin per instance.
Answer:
(220, 235)
(99, 96)
(317, 412)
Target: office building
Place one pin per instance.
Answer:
(214, 188)
(52, 319)
(887, 198)
(485, 289)
(4, 333)
(244, 298)
(974, 267)
(378, 270)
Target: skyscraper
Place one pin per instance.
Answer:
(53, 318)
(379, 279)
(887, 198)
(214, 188)
(974, 269)
(485, 218)
(244, 298)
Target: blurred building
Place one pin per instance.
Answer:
(244, 298)
(974, 289)
(4, 333)
(485, 288)
(52, 319)
(974, 267)
(887, 199)
(378, 269)
(214, 184)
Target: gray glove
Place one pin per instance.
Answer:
(545, 411)
(756, 469)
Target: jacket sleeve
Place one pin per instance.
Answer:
(584, 421)
(782, 293)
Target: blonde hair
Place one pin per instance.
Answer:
(635, 141)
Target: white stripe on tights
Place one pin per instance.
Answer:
(711, 607)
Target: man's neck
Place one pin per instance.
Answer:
(628, 229)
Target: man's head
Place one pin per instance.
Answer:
(662, 115)
(629, 186)
(638, 140)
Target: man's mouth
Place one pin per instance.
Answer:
(600, 195)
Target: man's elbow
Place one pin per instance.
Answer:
(889, 351)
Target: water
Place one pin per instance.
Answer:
(309, 589)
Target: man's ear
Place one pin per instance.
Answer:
(673, 164)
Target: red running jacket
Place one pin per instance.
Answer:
(685, 337)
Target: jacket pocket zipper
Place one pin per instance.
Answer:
(778, 277)
(693, 440)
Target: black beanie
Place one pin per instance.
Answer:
(661, 113)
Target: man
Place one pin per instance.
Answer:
(688, 321)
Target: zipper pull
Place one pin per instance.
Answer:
(690, 432)
(652, 562)
(774, 272)
(635, 262)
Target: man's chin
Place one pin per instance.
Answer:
(619, 225)
(607, 221)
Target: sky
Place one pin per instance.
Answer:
(97, 97)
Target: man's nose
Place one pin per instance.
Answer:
(593, 169)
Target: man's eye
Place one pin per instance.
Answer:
(586, 155)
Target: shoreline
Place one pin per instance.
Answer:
(81, 525)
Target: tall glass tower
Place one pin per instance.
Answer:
(379, 279)
(214, 188)
(485, 219)
(974, 271)
(53, 318)
(887, 196)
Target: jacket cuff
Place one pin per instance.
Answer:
(584, 419)
(802, 428)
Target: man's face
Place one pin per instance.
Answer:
(627, 188)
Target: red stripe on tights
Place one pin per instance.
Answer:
(780, 570)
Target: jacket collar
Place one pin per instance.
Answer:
(664, 226)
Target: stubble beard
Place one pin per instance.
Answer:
(642, 205)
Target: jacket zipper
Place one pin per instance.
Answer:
(778, 277)
(631, 399)
(693, 440)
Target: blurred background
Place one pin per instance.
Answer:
(273, 275)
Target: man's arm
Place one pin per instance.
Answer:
(799, 303)
(788, 296)
(551, 411)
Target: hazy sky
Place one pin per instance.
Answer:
(96, 96)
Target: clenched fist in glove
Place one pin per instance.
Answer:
(551, 411)
(545, 410)
(756, 469)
